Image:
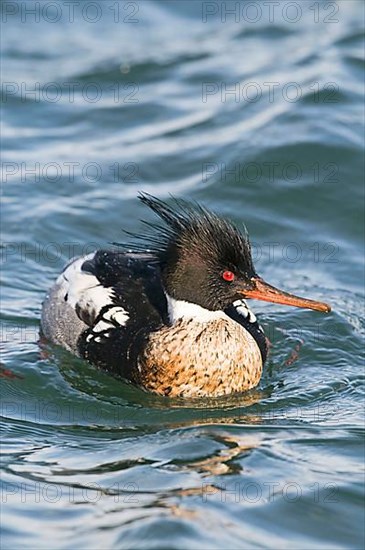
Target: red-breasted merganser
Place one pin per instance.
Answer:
(172, 319)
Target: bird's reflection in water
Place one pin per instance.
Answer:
(224, 462)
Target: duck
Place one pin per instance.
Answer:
(169, 315)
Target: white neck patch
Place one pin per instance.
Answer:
(179, 309)
(243, 309)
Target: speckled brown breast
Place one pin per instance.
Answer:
(196, 359)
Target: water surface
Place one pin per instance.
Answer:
(261, 120)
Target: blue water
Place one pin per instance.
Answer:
(259, 115)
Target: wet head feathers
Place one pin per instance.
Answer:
(195, 234)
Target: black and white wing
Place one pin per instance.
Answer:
(101, 302)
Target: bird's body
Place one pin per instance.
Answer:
(170, 319)
(110, 308)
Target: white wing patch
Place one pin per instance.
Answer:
(114, 315)
(84, 293)
(242, 309)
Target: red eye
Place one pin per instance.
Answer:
(228, 276)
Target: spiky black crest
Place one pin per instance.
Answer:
(193, 247)
(195, 231)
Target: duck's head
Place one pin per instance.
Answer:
(205, 260)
